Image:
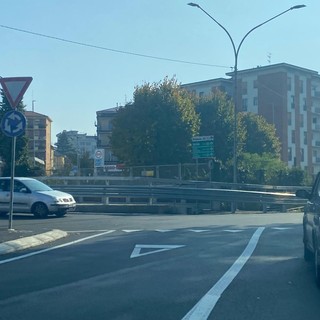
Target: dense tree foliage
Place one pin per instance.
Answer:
(217, 119)
(216, 112)
(260, 160)
(64, 144)
(157, 127)
(22, 166)
(260, 136)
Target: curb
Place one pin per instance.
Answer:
(32, 241)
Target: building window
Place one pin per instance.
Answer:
(289, 83)
(302, 154)
(301, 86)
(292, 102)
(301, 120)
(290, 154)
(305, 138)
(304, 104)
(289, 119)
(201, 94)
(255, 101)
(255, 84)
(244, 104)
(244, 87)
(293, 136)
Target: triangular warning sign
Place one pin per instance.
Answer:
(14, 88)
(152, 248)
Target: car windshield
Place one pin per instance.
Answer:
(35, 185)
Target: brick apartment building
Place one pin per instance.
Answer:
(288, 97)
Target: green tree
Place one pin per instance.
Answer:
(260, 136)
(260, 160)
(260, 168)
(66, 148)
(157, 127)
(64, 144)
(86, 164)
(268, 169)
(217, 118)
(22, 166)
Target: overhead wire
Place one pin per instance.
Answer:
(110, 49)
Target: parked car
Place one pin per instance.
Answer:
(32, 196)
(311, 226)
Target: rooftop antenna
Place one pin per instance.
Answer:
(269, 57)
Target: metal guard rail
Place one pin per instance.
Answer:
(196, 198)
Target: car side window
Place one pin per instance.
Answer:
(19, 187)
(5, 185)
(318, 189)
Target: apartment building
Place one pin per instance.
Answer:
(38, 131)
(104, 132)
(81, 142)
(288, 97)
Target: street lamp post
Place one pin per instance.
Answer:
(235, 76)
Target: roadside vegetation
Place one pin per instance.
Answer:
(157, 127)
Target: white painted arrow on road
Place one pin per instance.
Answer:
(156, 248)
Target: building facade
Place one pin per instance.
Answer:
(104, 132)
(81, 142)
(38, 131)
(288, 97)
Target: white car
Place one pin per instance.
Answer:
(33, 196)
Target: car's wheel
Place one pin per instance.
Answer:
(308, 255)
(317, 265)
(60, 213)
(40, 210)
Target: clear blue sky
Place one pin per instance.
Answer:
(71, 82)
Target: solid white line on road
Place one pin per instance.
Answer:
(85, 231)
(203, 308)
(54, 248)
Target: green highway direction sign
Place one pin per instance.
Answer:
(202, 147)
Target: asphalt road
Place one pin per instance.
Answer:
(240, 266)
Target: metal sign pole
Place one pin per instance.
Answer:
(13, 161)
(13, 123)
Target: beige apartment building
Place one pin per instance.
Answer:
(104, 132)
(38, 131)
(287, 96)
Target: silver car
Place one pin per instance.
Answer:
(33, 196)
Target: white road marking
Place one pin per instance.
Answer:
(163, 230)
(85, 231)
(128, 231)
(281, 228)
(198, 230)
(54, 248)
(233, 231)
(158, 248)
(203, 308)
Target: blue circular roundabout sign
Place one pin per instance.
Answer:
(13, 123)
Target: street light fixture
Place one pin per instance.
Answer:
(235, 77)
